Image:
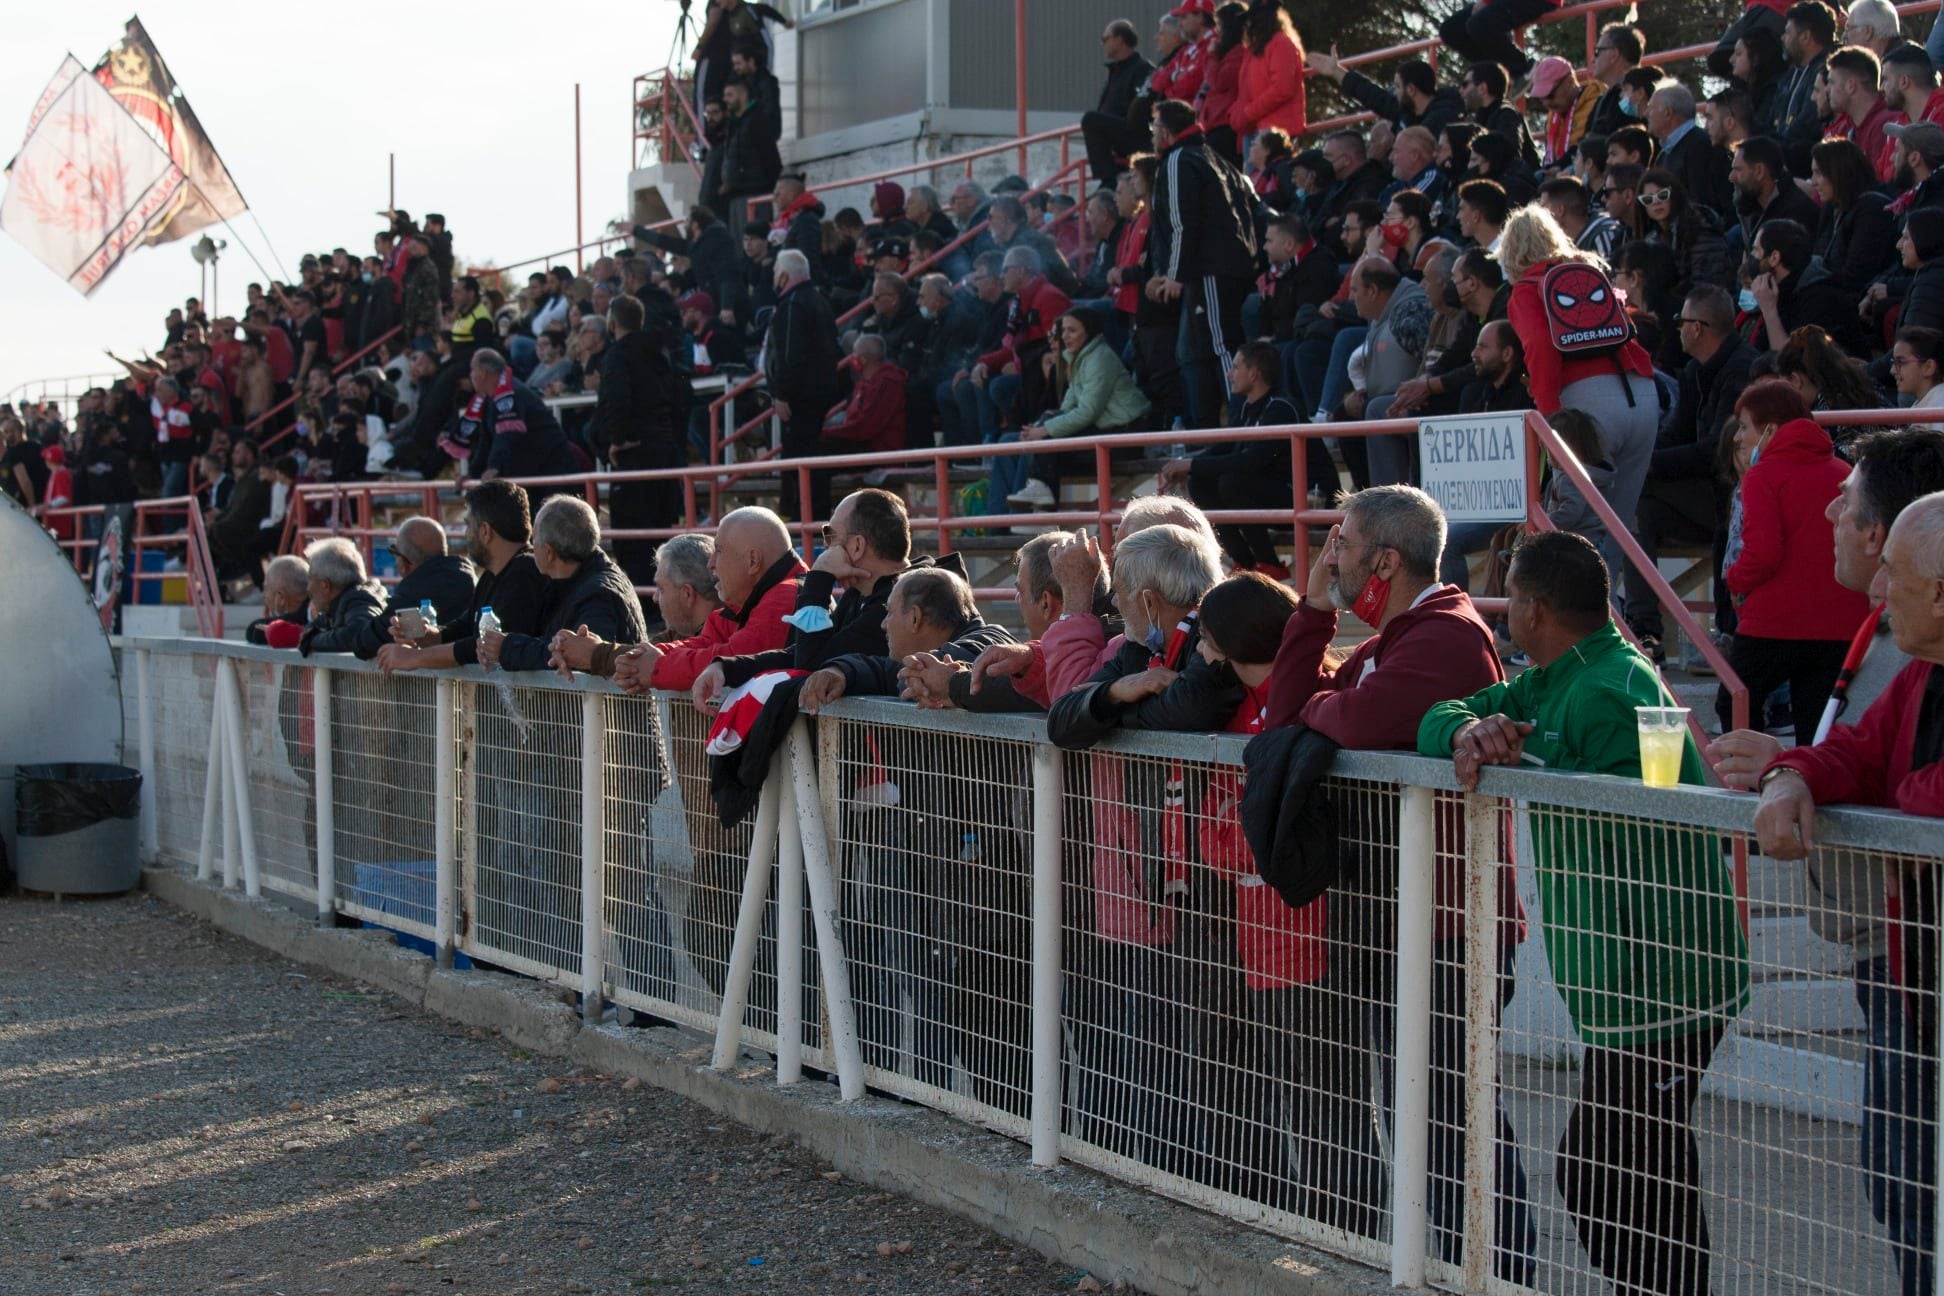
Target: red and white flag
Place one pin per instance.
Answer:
(88, 182)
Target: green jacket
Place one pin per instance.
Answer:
(1639, 918)
(1100, 395)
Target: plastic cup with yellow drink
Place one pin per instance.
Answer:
(1663, 740)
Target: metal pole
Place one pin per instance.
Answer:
(579, 224)
(1482, 865)
(1019, 73)
(239, 774)
(445, 796)
(749, 922)
(1047, 796)
(823, 908)
(212, 790)
(592, 856)
(789, 942)
(321, 747)
(145, 759)
(391, 190)
(1411, 1124)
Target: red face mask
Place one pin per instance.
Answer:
(1371, 601)
(1396, 235)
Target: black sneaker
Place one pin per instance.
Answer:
(1651, 645)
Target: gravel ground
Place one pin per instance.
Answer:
(183, 1112)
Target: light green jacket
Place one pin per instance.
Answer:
(1100, 395)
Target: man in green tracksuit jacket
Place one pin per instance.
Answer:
(1639, 918)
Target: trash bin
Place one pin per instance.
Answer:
(79, 828)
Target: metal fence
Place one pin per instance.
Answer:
(1537, 1038)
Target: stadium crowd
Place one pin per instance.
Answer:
(1677, 282)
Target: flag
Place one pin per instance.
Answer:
(134, 73)
(88, 182)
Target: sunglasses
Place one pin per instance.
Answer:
(1657, 195)
(1609, 191)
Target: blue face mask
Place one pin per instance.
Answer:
(1746, 300)
(810, 620)
(1628, 108)
(1157, 639)
(926, 312)
(367, 276)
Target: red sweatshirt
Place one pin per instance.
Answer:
(1028, 320)
(1547, 371)
(1783, 577)
(730, 634)
(1868, 763)
(874, 417)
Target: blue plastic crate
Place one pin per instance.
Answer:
(408, 889)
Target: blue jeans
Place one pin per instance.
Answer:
(1462, 539)
(175, 479)
(523, 354)
(1009, 473)
(1935, 46)
(1899, 1136)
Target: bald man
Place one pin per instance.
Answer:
(757, 573)
(286, 599)
(425, 572)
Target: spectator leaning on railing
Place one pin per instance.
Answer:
(497, 527)
(1651, 1016)
(591, 594)
(286, 604)
(342, 597)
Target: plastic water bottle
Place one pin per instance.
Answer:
(488, 623)
(969, 850)
(430, 616)
(1179, 450)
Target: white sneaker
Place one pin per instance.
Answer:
(1034, 494)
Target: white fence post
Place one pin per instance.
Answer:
(1048, 794)
(239, 773)
(842, 1044)
(145, 758)
(220, 716)
(789, 940)
(215, 795)
(444, 796)
(322, 748)
(1483, 853)
(1411, 1124)
(593, 856)
(749, 920)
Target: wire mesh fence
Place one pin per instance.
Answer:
(1568, 1035)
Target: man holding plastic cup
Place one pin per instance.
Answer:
(1640, 922)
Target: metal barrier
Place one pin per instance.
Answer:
(1066, 947)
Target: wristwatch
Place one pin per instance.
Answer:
(1770, 775)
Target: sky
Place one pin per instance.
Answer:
(304, 103)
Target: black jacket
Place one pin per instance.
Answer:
(802, 356)
(339, 629)
(1446, 106)
(1365, 183)
(1789, 203)
(518, 436)
(956, 335)
(446, 579)
(1857, 243)
(905, 334)
(599, 596)
(518, 595)
(1703, 171)
(1690, 444)
(1799, 124)
(1508, 121)
(750, 160)
(641, 402)
(1260, 460)
(1052, 260)
(1290, 825)
(1481, 397)
(1202, 699)
(1124, 81)
(715, 262)
(1607, 114)
(1815, 297)
(257, 632)
(856, 625)
(1204, 216)
(1310, 280)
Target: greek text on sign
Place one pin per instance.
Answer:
(1475, 466)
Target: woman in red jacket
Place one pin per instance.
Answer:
(1215, 101)
(1795, 622)
(1269, 91)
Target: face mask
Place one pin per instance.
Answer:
(1396, 235)
(810, 620)
(1371, 601)
(1157, 640)
(926, 312)
(1628, 109)
(367, 276)
(1746, 300)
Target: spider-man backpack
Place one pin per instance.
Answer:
(1586, 315)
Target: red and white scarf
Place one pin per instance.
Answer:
(459, 444)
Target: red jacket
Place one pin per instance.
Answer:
(1028, 320)
(1547, 371)
(1128, 256)
(1784, 579)
(729, 633)
(1180, 74)
(1438, 650)
(1270, 90)
(1868, 763)
(1220, 87)
(1278, 946)
(873, 417)
(1870, 136)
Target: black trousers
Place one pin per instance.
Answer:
(642, 506)
(1686, 510)
(1247, 544)
(1482, 31)
(1110, 139)
(1630, 1170)
(1210, 333)
(803, 438)
(1808, 666)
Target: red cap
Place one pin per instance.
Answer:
(282, 634)
(697, 300)
(54, 455)
(1206, 8)
(1547, 73)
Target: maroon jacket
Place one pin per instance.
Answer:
(1439, 650)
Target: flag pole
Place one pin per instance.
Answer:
(391, 190)
(579, 225)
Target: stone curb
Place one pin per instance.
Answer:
(1110, 1229)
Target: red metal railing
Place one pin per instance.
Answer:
(291, 400)
(672, 94)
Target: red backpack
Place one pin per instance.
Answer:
(1586, 315)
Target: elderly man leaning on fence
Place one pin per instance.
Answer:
(497, 527)
(591, 594)
(757, 573)
(1846, 889)
(343, 599)
(1430, 644)
(286, 603)
(427, 574)
(1639, 919)
(685, 585)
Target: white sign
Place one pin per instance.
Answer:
(1474, 465)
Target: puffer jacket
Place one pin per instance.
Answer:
(1100, 395)
(1269, 90)
(1783, 578)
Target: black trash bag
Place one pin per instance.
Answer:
(55, 799)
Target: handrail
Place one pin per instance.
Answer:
(292, 399)
(671, 91)
(205, 586)
(951, 159)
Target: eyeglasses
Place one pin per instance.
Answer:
(1657, 195)
(1688, 319)
(1609, 191)
(1898, 362)
(830, 537)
